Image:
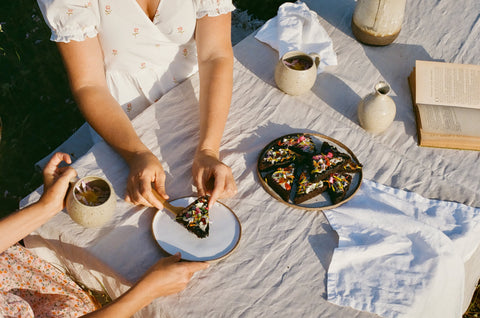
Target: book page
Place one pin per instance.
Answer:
(448, 84)
(450, 120)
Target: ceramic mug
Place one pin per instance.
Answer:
(91, 201)
(296, 71)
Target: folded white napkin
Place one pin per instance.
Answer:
(401, 255)
(296, 28)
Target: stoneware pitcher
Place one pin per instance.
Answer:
(377, 110)
(378, 22)
(296, 71)
(91, 201)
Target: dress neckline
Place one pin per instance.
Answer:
(146, 13)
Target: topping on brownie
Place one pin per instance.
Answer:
(281, 181)
(300, 143)
(195, 217)
(338, 186)
(276, 157)
(351, 167)
(322, 164)
(307, 189)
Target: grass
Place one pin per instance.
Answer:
(37, 108)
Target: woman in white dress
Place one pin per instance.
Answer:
(125, 54)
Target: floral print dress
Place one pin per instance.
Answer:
(31, 287)
(143, 58)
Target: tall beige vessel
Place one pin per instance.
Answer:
(378, 22)
(377, 110)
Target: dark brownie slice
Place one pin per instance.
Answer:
(339, 183)
(323, 165)
(281, 181)
(301, 143)
(195, 217)
(276, 157)
(327, 148)
(307, 189)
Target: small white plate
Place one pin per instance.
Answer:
(172, 237)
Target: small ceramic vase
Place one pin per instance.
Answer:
(92, 214)
(295, 72)
(377, 110)
(378, 22)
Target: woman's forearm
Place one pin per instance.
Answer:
(215, 66)
(124, 306)
(84, 63)
(168, 276)
(216, 81)
(21, 223)
(106, 116)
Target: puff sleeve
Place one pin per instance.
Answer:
(213, 8)
(70, 19)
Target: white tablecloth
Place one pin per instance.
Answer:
(280, 267)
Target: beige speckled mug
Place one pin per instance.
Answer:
(91, 201)
(296, 71)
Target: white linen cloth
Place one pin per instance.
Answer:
(394, 246)
(297, 28)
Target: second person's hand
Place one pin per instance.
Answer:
(145, 171)
(56, 181)
(169, 276)
(212, 177)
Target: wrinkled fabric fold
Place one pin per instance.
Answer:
(297, 28)
(400, 254)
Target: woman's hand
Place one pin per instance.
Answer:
(17, 225)
(168, 276)
(145, 171)
(212, 177)
(56, 181)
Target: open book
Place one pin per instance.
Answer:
(446, 100)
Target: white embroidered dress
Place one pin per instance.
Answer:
(143, 59)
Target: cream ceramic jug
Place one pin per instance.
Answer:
(296, 71)
(378, 22)
(377, 110)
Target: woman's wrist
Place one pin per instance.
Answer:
(131, 156)
(46, 207)
(206, 151)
